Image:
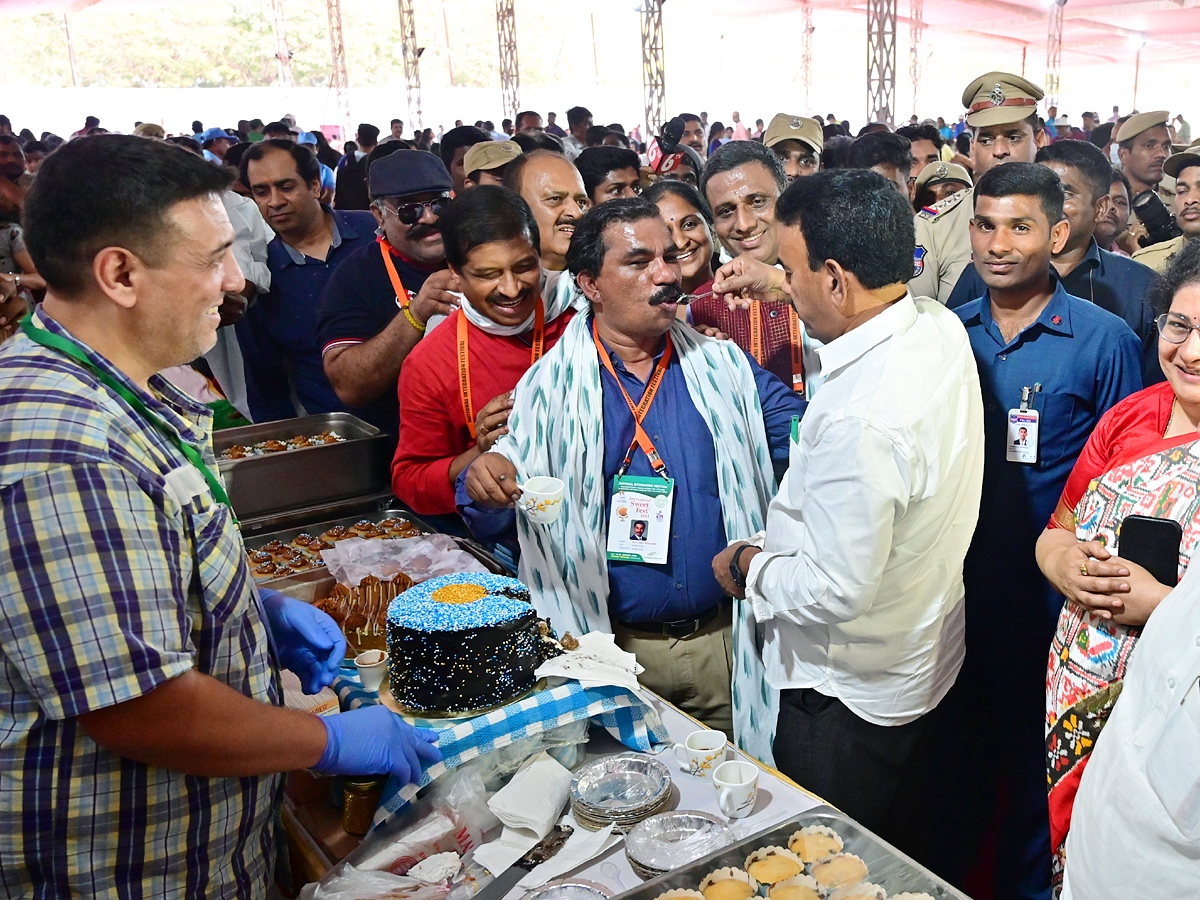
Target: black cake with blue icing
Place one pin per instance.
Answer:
(462, 642)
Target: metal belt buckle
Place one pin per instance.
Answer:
(669, 628)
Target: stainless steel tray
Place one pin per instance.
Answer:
(887, 866)
(316, 584)
(310, 476)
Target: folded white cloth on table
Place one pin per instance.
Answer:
(597, 662)
(533, 799)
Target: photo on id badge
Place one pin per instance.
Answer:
(639, 524)
(1022, 446)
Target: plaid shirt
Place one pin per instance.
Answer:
(114, 578)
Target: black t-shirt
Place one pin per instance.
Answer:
(357, 304)
(351, 190)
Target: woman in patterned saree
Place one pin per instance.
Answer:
(1142, 459)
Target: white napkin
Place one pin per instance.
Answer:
(597, 662)
(529, 806)
(580, 848)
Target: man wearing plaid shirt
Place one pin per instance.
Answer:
(140, 726)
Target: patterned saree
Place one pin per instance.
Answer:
(1128, 468)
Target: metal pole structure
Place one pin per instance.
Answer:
(510, 78)
(341, 76)
(71, 52)
(283, 53)
(881, 60)
(1054, 52)
(595, 55)
(654, 75)
(806, 58)
(916, 32)
(449, 55)
(412, 61)
(1137, 68)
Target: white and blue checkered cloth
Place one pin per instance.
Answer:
(626, 718)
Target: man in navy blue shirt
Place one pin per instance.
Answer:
(278, 335)
(1053, 364)
(1111, 281)
(378, 302)
(673, 615)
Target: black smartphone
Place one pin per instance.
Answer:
(1153, 544)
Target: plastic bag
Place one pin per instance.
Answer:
(351, 883)
(420, 558)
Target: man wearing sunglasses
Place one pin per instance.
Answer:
(380, 303)
(278, 334)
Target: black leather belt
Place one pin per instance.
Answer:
(680, 628)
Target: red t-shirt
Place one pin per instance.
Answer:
(433, 429)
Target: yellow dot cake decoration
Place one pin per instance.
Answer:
(461, 643)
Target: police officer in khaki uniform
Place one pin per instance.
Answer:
(1185, 169)
(798, 141)
(1002, 112)
(1143, 146)
(937, 181)
(485, 162)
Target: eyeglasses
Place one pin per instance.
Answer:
(1174, 328)
(410, 213)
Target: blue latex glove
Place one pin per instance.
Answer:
(308, 641)
(373, 740)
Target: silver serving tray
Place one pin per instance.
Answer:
(886, 865)
(309, 476)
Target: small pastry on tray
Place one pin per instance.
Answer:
(839, 869)
(680, 894)
(272, 446)
(728, 884)
(258, 557)
(768, 865)
(798, 887)
(273, 547)
(815, 842)
(861, 891)
(336, 533)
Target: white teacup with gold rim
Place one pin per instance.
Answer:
(542, 498)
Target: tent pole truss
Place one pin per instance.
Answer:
(510, 79)
(283, 53)
(654, 79)
(412, 61)
(1054, 52)
(916, 34)
(71, 51)
(881, 60)
(341, 76)
(806, 61)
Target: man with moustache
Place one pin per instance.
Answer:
(1026, 332)
(1185, 169)
(741, 182)
(553, 188)
(694, 135)
(1143, 145)
(712, 419)
(1002, 115)
(379, 302)
(453, 409)
(798, 141)
(278, 335)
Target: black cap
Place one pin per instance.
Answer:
(408, 172)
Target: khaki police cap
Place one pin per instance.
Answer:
(490, 155)
(1135, 125)
(937, 172)
(999, 98)
(1180, 161)
(785, 127)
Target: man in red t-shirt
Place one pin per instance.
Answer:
(455, 386)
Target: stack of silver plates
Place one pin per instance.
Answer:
(619, 790)
(665, 842)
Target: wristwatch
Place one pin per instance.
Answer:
(735, 570)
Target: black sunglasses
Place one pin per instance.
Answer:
(410, 213)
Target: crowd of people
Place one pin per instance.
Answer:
(918, 407)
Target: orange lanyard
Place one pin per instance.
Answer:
(401, 293)
(758, 341)
(464, 362)
(640, 438)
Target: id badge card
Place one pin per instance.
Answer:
(1022, 440)
(639, 523)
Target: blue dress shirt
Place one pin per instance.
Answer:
(278, 335)
(684, 586)
(1086, 360)
(1111, 281)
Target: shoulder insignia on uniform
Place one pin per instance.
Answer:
(930, 210)
(918, 260)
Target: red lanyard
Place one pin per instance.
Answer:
(464, 362)
(758, 341)
(640, 438)
(401, 293)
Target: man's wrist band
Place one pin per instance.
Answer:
(412, 320)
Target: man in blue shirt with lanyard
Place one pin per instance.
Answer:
(144, 728)
(278, 334)
(1052, 364)
(692, 428)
